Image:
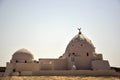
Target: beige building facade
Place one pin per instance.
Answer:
(80, 58)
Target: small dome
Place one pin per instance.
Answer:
(80, 44)
(22, 54)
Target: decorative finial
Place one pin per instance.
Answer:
(79, 30)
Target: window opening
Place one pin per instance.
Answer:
(16, 61)
(81, 44)
(14, 70)
(87, 54)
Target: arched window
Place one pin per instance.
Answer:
(69, 55)
(14, 70)
(25, 61)
(81, 44)
(87, 54)
(73, 53)
(16, 61)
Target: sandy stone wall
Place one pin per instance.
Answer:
(83, 63)
(53, 64)
(75, 73)
(27, 67)
(60, 64)
(100, 65)
(26, 73)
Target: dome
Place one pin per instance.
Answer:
(79, 45)
(22, 54)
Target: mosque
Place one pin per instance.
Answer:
(80, 58)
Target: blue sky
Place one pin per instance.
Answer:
(45, 27)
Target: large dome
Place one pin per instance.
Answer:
(79, 45)
(22, 54)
